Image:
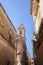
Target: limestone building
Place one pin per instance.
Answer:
(12, 43)
(37, 12)
(32, 61)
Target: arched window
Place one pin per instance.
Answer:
(20, 32)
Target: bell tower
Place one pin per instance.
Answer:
(21, 31)
(21, 44)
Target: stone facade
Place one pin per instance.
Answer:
(38, 34)
(32, 61)
(12, 43)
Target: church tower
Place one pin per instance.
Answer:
(21, 31)
(21, 45)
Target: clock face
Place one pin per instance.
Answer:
(1, 24)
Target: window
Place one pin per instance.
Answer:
(1, 22)
(8, 62)
(39, 43)
(20, 32)
(37, 0)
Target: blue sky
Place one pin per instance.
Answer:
(19, 12)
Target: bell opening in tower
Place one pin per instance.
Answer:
(37, 0)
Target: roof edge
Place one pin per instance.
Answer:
(7, 16)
